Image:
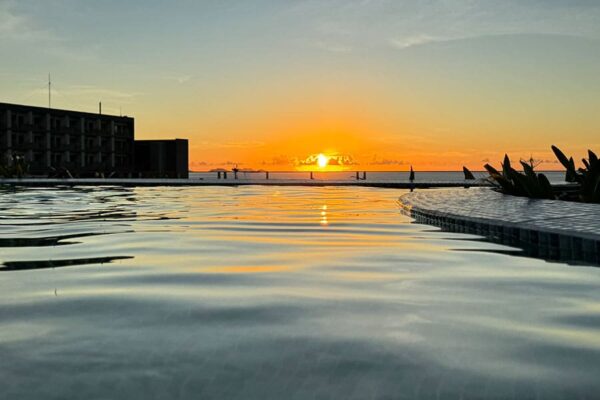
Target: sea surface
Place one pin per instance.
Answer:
(278, 293)
(428, 176)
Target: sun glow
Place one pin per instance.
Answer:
(322, 160)
(326, 161)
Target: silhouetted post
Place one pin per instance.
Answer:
(364, 175)
(267, 175)
(411, 178)
(224, 174)
(311, 175)
(218, 174)
(235, 174)
(357, 178)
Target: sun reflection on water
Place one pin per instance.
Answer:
(324, 221)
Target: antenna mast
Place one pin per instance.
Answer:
(49, 92)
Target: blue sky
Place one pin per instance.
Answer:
(468, 69)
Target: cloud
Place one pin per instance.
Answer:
(387, 161)
(279, 160)
(333, 159)
(74, 96)
(89, 90)
(16, 26)
(215, 164)
(404, 24)
(229, 144)
(410, 41)
(9, 22)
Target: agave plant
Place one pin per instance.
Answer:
(527, 184)
(588, 178)
(468, 174)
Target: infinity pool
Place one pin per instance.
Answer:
(277, 293)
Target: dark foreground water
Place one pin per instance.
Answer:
(277, 293)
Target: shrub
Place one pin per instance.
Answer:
(588, 178)
(527, 184)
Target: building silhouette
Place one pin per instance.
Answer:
(162, 158)
(84, 144)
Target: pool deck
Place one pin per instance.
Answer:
(43, 182)
(550, 229)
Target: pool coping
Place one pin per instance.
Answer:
(575, 237)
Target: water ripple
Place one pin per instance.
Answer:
(270, 293)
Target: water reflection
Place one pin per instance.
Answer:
(270, 293)
(324, 215)
(28, 265)
(49, 241)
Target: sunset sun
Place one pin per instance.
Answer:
(322, 160)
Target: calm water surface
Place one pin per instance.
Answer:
(425, 176)
(277, 293)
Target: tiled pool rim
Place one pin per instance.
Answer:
(548, 229)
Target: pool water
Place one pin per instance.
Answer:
(277, 293)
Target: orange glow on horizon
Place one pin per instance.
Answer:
(371, 132)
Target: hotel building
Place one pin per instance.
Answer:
(85, 144)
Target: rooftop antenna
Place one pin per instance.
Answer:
(49, 91)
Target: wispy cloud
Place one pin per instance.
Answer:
(228, 144)
(404, 24)
(77, 96)
(15, 26)
(90, 90)
(200, 164)
(410, 41)
(386, 161)
(279, 160)
(9, 22)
